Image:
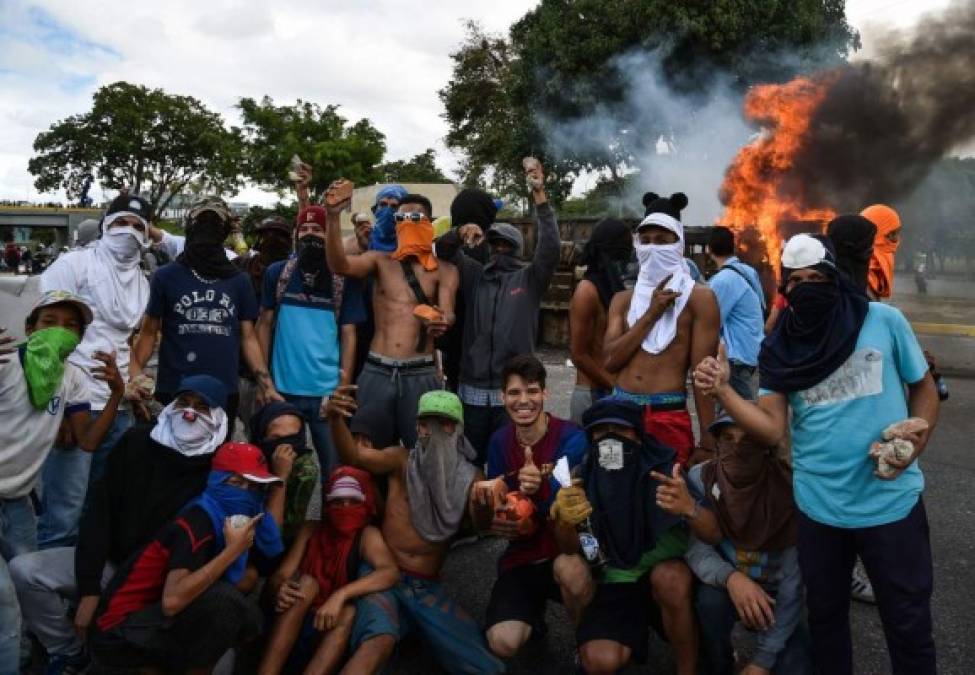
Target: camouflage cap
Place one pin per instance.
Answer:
(210, 203)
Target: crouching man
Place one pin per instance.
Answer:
(514, 503)
(643, 576)
(336, 561)
(750, 601)
(429, 488)
(179, 603)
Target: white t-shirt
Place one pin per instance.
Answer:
(27, 434)
(173, 244)
(70, 273)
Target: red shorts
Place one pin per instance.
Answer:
(671, 428)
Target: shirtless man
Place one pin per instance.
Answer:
(662, 328)
(400, 367)
(606, 253)
(429, 488)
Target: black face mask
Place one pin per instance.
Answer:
(812, 301)
(204, 251)
(296, 441)
(311, 261)
(274, 247)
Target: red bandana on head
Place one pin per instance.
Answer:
(327, 555)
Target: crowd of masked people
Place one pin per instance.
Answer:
(260, 462)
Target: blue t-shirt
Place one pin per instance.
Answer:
(742, 322)
(305, 352)
(834, 423)
(200, 324)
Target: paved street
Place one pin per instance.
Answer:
(949, 466)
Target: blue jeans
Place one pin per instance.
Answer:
(717, 616)
(18, 534)
(321, 437)
(65, 478)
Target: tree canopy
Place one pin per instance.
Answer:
(152, 142)
(558, 62)
(420, 168)
(320, 136)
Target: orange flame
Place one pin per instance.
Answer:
(753, 189)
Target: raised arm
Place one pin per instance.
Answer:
(341, 406)
(547, 242)
(338, 198)
(766, 421)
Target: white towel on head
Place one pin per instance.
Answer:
(656, 262)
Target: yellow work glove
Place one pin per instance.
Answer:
(570, 506)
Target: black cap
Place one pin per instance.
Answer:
(614, 410)
(126, 203)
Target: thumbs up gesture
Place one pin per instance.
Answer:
(713, 373)
(530, 476)
(672, 493)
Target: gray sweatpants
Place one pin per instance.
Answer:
(394, 393)
(46, 590)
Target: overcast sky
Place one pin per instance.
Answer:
(381, 59)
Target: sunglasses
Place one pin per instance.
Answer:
(414, 216)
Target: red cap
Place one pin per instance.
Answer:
(311, 214)
(245, 459)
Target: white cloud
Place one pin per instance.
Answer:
(380, 59)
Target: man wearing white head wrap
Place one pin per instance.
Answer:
(108, 277)
(663, 327)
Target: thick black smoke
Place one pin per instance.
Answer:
(884, 123)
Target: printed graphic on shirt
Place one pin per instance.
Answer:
(611, 454)
(860, 376)
(201, 318)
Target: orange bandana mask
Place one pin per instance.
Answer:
(416, 240)
(880, 277)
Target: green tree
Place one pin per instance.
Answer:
(418, 169)
(558, 62)
(319, 136)
(152, 142)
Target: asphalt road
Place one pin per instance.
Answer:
(949, 466)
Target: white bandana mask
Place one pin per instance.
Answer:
(190, 432)
(124, 243)
(657, 261)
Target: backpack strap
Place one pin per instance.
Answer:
(741, 273)
(355, 557)
(421, 298)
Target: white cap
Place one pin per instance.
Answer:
(803, 251)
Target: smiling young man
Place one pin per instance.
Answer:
(400, 366)
(662, 329)
(521, 455)
(836, 371)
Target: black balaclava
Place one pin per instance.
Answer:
(204, 252)
(605, 255)
(853, 237)
(311, 263)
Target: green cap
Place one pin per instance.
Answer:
(442, 404)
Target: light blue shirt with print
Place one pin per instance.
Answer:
(740, 304)
(834, 423)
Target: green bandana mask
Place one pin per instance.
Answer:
(44, 359)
